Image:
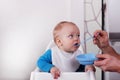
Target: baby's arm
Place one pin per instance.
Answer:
(45, 64)
(90, 67)
(45, 61)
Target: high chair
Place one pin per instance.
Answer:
(38, 75)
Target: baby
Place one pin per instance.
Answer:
(61, 58)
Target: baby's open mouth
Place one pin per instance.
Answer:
(77, 44)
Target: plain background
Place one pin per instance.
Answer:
(26, 29)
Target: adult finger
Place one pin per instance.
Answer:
(102, 56)
(98, 63)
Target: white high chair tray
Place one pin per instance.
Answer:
(64, 76)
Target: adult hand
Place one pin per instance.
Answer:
(108, 62)
(101, 39)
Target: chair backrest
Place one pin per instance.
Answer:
(50, 45)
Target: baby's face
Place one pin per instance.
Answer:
(70, 38)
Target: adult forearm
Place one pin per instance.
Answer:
(108, 49)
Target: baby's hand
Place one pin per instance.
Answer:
(55, 72)
(90, 67)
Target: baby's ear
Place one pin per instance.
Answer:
(58, 42)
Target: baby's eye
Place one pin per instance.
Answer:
(78, 35)
(70, 36)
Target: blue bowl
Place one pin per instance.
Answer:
(86, 59)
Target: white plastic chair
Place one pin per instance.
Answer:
(64, 76)
(38, 75)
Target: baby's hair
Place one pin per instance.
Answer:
(58, 28)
